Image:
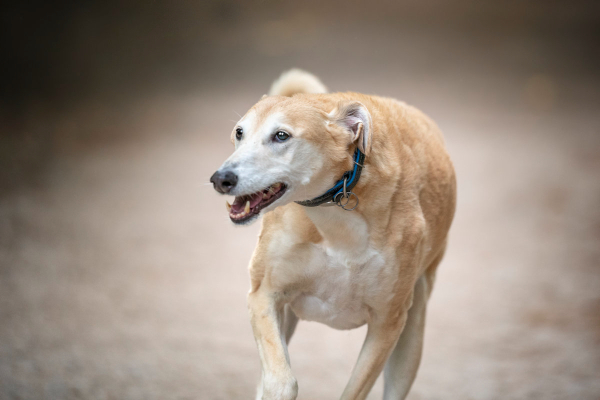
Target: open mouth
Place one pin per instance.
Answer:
(246, 206)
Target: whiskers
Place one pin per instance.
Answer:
(204, 185)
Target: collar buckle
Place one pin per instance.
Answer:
(342, 195)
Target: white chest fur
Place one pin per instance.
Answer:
(339, 291)
(344, 272)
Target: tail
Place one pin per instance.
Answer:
(296, 81)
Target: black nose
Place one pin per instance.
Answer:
(224, 181)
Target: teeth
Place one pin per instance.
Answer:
(276, 186)
(265, 196)
(247, 209)
(239, 215)
(228, 206)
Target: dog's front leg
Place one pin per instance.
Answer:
(387, 324)
(379, 343)
(266, 316)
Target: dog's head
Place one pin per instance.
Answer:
(289, 149)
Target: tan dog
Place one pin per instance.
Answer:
(375, 264)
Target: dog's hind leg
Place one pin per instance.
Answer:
(402, 365)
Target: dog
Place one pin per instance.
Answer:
(357, 194)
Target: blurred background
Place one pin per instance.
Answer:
(120, 275)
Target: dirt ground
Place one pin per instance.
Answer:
(121, 277)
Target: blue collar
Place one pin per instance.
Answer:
(341, 192)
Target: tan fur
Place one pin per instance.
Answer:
(296, 81)
(407, 195)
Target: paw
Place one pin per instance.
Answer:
(278, 388)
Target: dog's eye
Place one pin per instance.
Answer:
(281, 136)
(238, 133)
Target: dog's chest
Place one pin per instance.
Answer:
(342, 284)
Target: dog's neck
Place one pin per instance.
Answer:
(340, 193)
(346, 231)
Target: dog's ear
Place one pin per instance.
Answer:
(354, 117)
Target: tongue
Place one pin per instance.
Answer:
(240, 202)
(256, 198)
